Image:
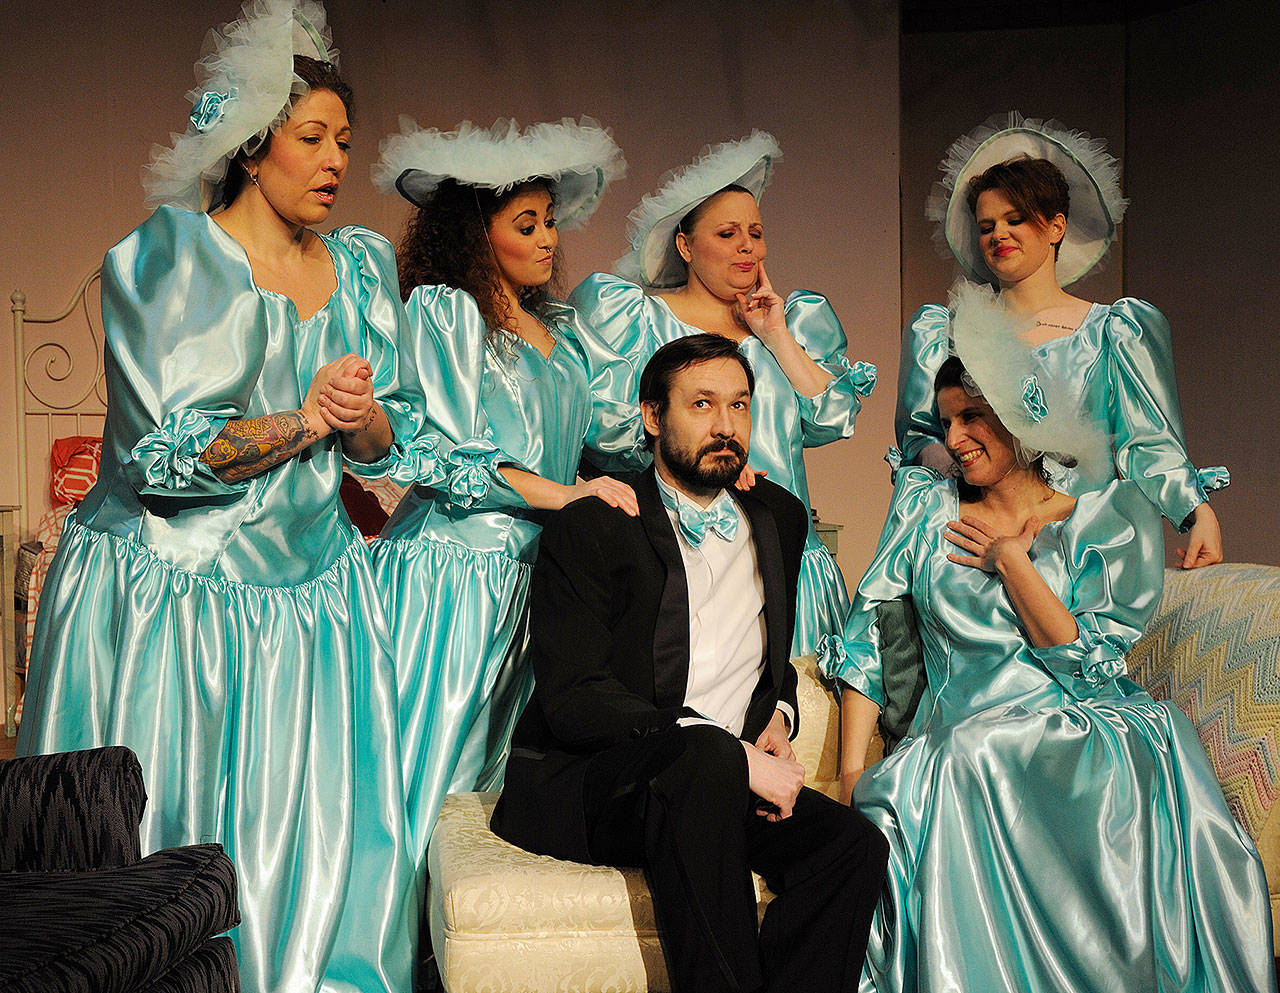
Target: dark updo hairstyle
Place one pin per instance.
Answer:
(318, 76)
(952, 373)
(446, 242)
(690, 220)
(1035, 187)
(692, 349)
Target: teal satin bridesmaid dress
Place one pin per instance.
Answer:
(783, 422)
(455, 558)
(231, 633)
(1122, 358)
(1052, 828)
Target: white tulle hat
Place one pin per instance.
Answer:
(1044, 414)
(245, 88)
(579, 159)
(1093, 178)
(651, 228)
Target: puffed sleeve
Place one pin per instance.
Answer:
(1145, 416)
(184, 349)
(831, 414)
(1114, 554)
(381, 339)
(925, 346)
(447, 339)
(615, 435)
(618, 313)
(854, 657)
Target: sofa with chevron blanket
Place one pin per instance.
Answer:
(504, 919)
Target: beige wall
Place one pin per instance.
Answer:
(87, 88)
(1186, 100)
(1203, 242)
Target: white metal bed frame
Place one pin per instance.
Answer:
(38, 375)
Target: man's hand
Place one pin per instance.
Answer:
(773, 739)
(776, 781)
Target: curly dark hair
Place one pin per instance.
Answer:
(318, 76)
(447, 242)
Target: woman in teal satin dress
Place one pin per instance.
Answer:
(700, 241)
(517, 386)
(1051, 826)
(1030, 207)
(210, 605)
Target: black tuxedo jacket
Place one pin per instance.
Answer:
(609, 626)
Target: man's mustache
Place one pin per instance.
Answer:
(721, 445)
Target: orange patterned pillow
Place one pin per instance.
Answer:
(73, 466)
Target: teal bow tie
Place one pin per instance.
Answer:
(721, 517)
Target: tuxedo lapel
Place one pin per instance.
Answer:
(764, 532)
(671, 639)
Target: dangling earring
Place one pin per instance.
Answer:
(253, 178)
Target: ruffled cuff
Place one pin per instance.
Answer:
(1082, 667)
(1213, 478)
(471, 477)
(831, 414)
(893, 458)
(419, 463)
(846, 662)
(167, 461)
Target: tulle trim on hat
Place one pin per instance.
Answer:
(580, 158)
(1042, 412)
(245, 87)
(1087, 153)
(653, 260)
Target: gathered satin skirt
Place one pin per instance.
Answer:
(264, 719)
(822, 600)
(1081, 848)
(459, 632)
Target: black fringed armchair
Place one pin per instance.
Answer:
(81, 910)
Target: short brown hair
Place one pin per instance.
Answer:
(1035, 187)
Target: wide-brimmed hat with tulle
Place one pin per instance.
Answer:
(653, 259)
(1092, 175)
(578, 158)
(245, 88)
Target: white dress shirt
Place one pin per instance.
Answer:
(727, 632)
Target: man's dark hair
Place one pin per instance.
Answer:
(694, 349)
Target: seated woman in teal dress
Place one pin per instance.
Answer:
(517, 386)
(210, 605)
(1051, 826)
(699, 241)
(1030, 207)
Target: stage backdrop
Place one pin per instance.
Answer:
(88, 88)
(1186, 99)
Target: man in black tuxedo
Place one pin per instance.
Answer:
(659, 729)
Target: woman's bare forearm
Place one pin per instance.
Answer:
(243, 449)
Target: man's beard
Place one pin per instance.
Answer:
(700, 477)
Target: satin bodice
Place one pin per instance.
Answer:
(192, 342)
(1102, 562)
(1121, 360)
(497, 400)
(783, 422)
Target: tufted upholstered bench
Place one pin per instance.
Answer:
(503, 919)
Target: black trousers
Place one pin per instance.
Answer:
(677, 803)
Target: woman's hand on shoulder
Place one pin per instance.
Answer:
(748, 476)
(1204, 540)
(612, 491)
(764, 311)
(986, 548)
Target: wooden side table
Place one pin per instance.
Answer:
(829, 535)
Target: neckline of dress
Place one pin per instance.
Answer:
(1073, 332)
(239, 250)
(955, 500)
(697, 330)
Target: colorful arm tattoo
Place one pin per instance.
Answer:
(245, 448)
